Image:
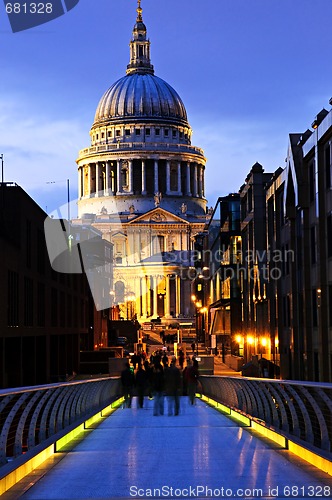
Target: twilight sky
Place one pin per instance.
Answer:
(248, 71)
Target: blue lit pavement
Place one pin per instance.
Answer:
(200, 453)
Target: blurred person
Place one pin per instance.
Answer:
(141, 381)
(128, 382)
(192, 375)
(173, 387)
(158, 388)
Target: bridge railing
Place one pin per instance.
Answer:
(299, 409)
(31, 416)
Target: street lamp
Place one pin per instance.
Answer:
(68, 195)
(198, 305)
(203, 311)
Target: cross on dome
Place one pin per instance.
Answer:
(139, 12)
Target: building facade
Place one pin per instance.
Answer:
(285, 254)
(223, 249)
(308, 232)
(141, 183)
(45, 317)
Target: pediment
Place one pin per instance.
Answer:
(158, 216)
(119, 234)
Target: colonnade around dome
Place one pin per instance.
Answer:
(143, 177)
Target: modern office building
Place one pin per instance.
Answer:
(255, 263)
(45, 316)
(285, 246)
(307, 232)
(223, 265)
(141, 183)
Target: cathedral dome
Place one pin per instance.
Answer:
(142, 96)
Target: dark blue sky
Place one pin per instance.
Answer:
(249, 72)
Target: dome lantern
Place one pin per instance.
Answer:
(139, 48)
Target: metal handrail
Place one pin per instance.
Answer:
(300, 409)
(31, 415)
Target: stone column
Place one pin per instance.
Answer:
(156, 180)
(155, 295)
(188, 179)
(167, 298)
(79, 182)
(179, 178)
(143, 178)
(130, 176)
(168, 177)
(97, 179)
(177, 295)
(118, 176)
(143, 292)
(199, 180)
(203, 183)
(89, 180)
(195, 181)
(148, 295)
(107, 177)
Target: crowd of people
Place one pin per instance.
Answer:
(159, 377)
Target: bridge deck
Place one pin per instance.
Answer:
(131, 453)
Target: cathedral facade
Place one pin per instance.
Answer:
(141, 183)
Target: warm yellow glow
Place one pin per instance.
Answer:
(250, 339)
(198, 304)
(264, 341)
(193, 298)
(203, 310)
(238, 339)
(268, 433)
(276, 342)
(241, 418)
(130, 296)
(320, 462)
(9, 480)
